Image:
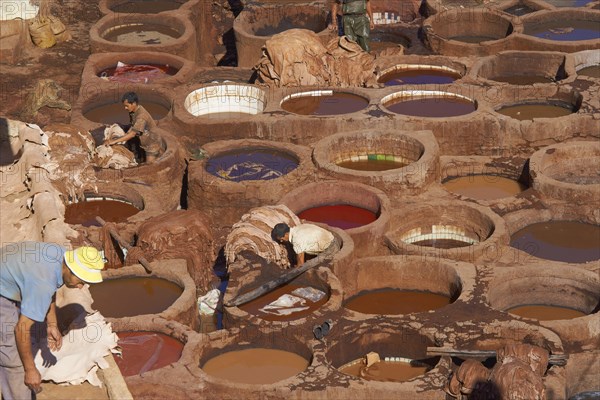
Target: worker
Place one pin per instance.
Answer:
(30, 274)
(357, 20)
(141, 125)
(304, 238)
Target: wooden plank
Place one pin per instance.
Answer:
(554, 359)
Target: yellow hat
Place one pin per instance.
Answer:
(86, 263)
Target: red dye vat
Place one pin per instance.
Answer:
(341, 216)
(145, 351)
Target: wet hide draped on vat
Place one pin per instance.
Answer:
(297, 57)
(138, 73)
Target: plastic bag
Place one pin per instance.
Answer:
(309, 293)
(207, 304)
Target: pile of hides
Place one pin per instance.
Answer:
(181, 234)
(136, 73)
(297, 57)
(516, 376)
(116, 156)
(253, 233)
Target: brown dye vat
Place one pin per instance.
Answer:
(85, 212)
(592, 71)
(127, 297)
(484, 187)
(385, 371)
(253, 307)
(341, 216)
(371, 165)
(473, 39)
(145, 6)
(564, 30)
(524, 112)
(442, 243)
(115, 113)
(436, 107)
(418, 77)
(255, 366)
(334, 104)
(522, 79)
(546, 313)
(566, 241)
(395, 302)
(384, 40)
(140, 34)
(145, 351)
(581, 176)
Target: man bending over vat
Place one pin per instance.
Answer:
(304, 238)
(357, 20)
(141, 125)
(30, 274)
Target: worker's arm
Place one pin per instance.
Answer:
(130, 135)
(33, 379)
(334, 7)
(299, 259)
(54, 336)
(370, 14)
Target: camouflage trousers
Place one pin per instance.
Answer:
(356, 28)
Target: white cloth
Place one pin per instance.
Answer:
(310, 239)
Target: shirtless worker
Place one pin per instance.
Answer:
(141, 125)
(30, 274)
(304, 238)
(357, 20)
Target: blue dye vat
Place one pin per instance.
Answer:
(251, 165)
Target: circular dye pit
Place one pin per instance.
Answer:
(564, 30)
(429, 104)
(384, 40)
(297, 302)
(138, 73)
(484, 187)
(395, 302)
(259, 366)
(529, 111)
(343, 216)
(323, 102)
(141, 34)
(291, 22)
(394, 369)
(115, 113)
(127, 297)
(522, 79)
(440, 237)
(519, 10)
(476, 39)
(146, 351)
(567, 241)
(251, 164)
(589, 395)
(225, 101)
(418, 75)
(374, 162)
(85, 212)
(593, 71)
(146, 6)
(568, 3)
(545, 313)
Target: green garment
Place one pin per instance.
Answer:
(356, 22)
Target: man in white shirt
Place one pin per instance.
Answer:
(304, 238)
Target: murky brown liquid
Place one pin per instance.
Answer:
(522, 79)
(145, 351)
(395, 302)
(442, 243)
(546, 313)
(567, 241)
(115, 113)
(386, 371)
(142, 34)
(371, 165)
(473, 39)
(418, 77)
(592, 71)
(126, 297)
(254, 306)
(146, 6)
(484, 187)
(336, 104)
(256, 366)
(431, 107)
(578, 175)
(530, 111)
(85, 212)
(383, 40)
(564, 30)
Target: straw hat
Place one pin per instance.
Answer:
(86, 263)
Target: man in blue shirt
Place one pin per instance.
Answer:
(30, 274)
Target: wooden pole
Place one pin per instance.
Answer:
(326, 255)
(554, 359)
(115, 235)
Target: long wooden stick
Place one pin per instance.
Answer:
(326, 255)
(554, 359)
(115, 235)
